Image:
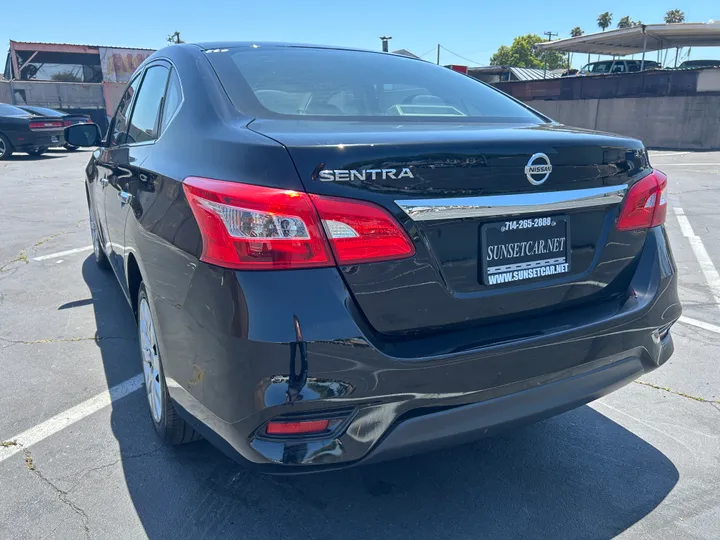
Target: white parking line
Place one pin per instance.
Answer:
(62, 253)
(700, 324)
(70, 416)
(688, 164)
(706, 265)
(654, 155)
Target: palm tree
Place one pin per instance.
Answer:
(604, 20)
(625, 22)
(674, 16)
(671, 17)
(575, 32)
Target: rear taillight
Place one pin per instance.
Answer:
(361, 232)
(67, 123)
(46, 125)
(259, 228)
(645, 204)
(254, 227)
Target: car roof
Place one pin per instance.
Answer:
(211, 45)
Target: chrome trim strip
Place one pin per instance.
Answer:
(510, 205)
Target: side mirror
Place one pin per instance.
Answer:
(83, 135)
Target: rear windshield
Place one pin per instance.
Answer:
(11, 110)
(43, 111)
(284, 82)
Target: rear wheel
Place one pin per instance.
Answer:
(6, 148)
(100, 258)
(168, 424)
(37, 151)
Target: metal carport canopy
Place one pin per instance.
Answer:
(647, 37)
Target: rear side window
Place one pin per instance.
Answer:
(118, 127)
(600, 67)
(329, 83)
(173, 96)
(146, 112)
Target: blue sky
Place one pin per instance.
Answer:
(471, 28)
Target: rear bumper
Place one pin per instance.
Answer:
(29, 140)
(466, 423)
(244, 348)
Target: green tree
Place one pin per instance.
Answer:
(65, 76)
(625, 22)
(174, 38)
(522, 54)
(674, 16)
(604, 20)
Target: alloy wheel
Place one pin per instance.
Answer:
(94, 234)
(151, 361)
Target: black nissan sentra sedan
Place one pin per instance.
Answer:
(339, 257)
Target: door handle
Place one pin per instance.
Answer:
(103, 181)
(125, 198)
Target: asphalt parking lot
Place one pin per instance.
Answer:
(643, 462)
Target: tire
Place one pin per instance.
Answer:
(37, 151)
(168, 424)
(99, 253)
(70, 147)
(6, 149)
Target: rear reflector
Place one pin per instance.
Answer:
(297, 428)
(46, 125)
(645, 204)
(252, 227)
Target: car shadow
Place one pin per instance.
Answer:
(28, 157)
(579, 475)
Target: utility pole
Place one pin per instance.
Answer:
(385, 40)
(438, 55)
(550, 36)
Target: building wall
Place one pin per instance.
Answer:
(58, 95)
(5, 92)
(665, 109)
(677, 122)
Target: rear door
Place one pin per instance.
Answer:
(109, 157)
(126, 159)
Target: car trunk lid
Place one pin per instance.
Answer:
(532, 204)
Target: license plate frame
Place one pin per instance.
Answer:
(525, 267)
(54, 139)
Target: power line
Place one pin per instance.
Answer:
(461, 56)
(426, 53)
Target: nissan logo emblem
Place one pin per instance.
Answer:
(539, 164)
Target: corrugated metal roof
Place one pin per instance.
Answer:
(405, 52)
(532, 74)
(522, 74)
(648, 37)
(28, 45)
